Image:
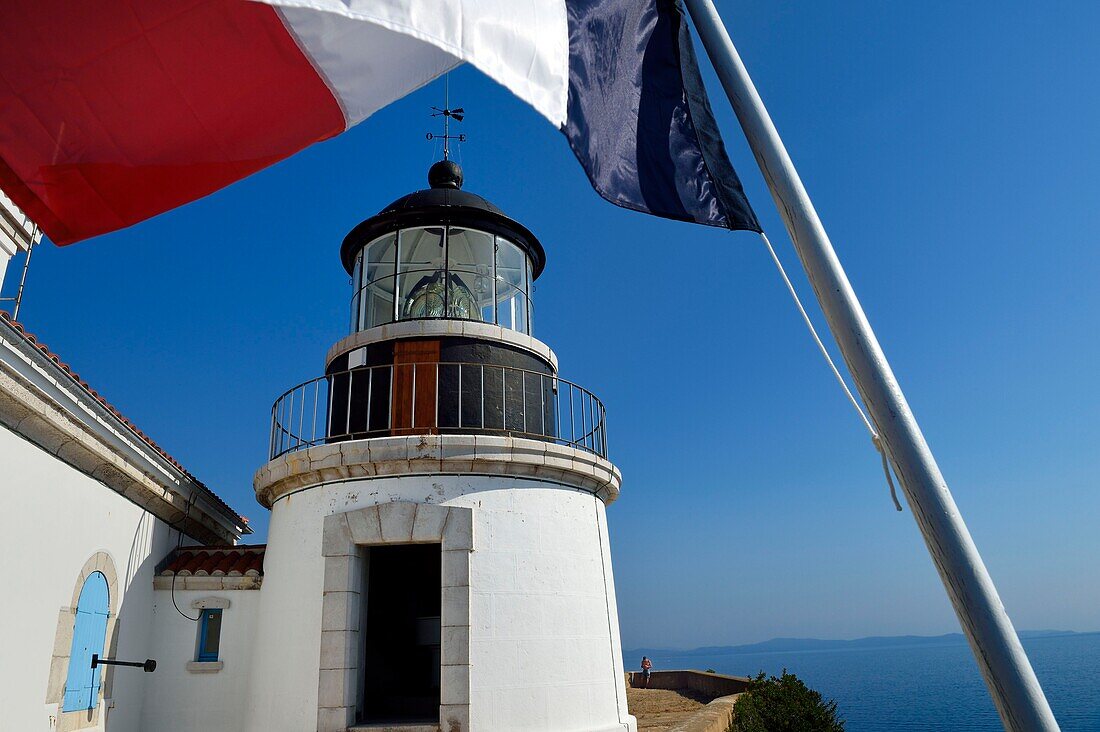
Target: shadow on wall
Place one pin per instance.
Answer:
(128, 602)
(139, 547)
(133, 634)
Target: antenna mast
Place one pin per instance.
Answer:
(457, 114)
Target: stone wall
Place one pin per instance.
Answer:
(723, 691)
(714, 717)
(708, 684)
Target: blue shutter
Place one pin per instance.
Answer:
(89, 633)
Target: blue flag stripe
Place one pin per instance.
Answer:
(639, 120)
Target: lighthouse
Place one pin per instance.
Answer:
(438, 554)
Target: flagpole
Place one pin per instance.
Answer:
(1012, 683)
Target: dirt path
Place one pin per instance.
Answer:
(661, 709)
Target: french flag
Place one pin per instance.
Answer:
(114, 111)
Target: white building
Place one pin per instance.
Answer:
(17, 233)
(437, 558)
(90, 505)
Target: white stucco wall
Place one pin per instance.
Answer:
(177, 699)
(544, 628)
(53, 518)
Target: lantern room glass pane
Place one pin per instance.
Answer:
(511, 307)
(470, 265)
(375, 270)
(421, 276)
(376, 303)
(357, 272)
(530, 290)
(381, 255)
(356, 305)
(511, 285)
(511, 263)
(421, 248)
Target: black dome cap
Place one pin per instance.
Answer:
(445, 174)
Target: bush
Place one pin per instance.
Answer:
(783, 704)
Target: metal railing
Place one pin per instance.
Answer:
(437, 398)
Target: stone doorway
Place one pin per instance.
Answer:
(401, 670)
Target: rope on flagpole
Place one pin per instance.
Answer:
(875, 439)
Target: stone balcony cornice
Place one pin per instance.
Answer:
(437, 454)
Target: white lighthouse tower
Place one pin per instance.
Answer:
(438, 551)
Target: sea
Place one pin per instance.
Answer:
(935, 686)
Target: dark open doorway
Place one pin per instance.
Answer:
(401, 661)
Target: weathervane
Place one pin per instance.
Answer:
(457, 114)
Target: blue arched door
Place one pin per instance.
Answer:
(89, 633)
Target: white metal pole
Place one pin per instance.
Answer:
(1001, 658)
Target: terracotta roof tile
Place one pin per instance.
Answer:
(242, 565)
(216, 561)
(33, 340)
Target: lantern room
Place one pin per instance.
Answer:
(442, 253)
(440, 339)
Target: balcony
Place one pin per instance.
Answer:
(437, 398)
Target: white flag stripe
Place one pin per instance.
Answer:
(357, 60)
(372, 52)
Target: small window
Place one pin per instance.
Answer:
(210, 634)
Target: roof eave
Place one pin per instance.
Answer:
(104, 423)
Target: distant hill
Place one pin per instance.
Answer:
(818, 644)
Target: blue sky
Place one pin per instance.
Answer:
(951, 150)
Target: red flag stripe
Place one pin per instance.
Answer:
(114, 111)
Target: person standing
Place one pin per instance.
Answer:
(647, 669)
